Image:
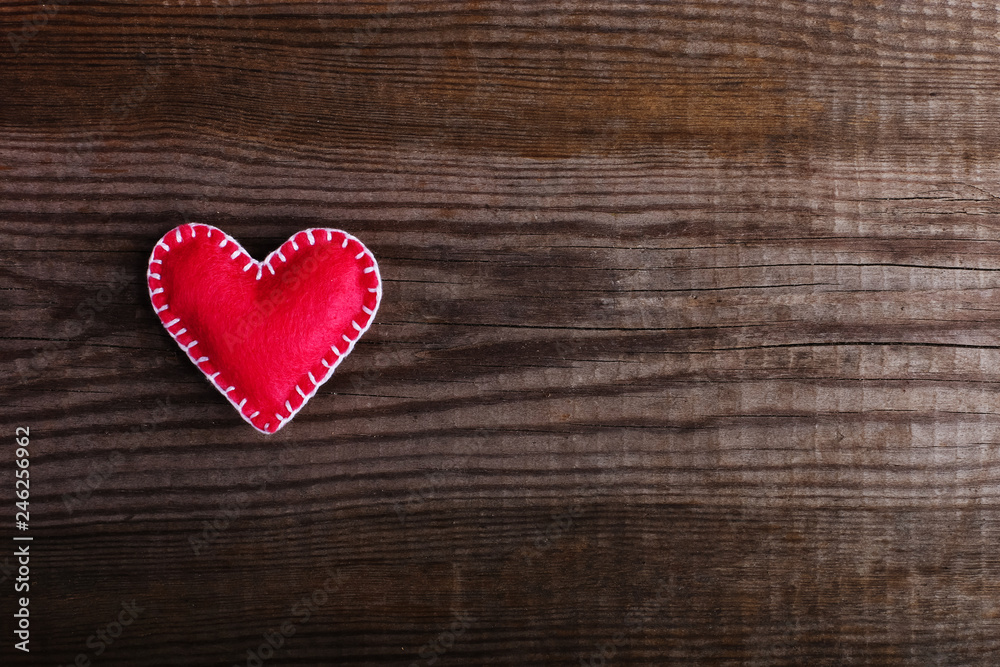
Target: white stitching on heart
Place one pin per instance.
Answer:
(155, 288)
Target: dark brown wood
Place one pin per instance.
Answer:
(688, 352)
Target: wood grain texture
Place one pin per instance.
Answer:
(687, 353)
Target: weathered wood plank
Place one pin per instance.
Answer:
(686, 354)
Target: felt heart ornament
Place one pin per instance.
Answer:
(266, 334)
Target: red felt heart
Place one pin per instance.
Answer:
(265, 334)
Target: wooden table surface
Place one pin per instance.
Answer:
(688, 351)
